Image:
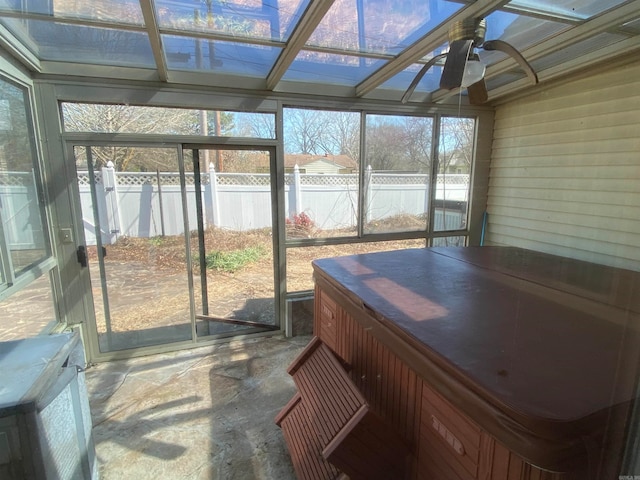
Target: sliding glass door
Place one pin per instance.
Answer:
(232, 241)
(178, 242)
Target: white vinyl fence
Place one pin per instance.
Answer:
(20, 212)
(149, 204)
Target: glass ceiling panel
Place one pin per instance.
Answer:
(83, 44)
(429, 83)
(121, 11)
(572, 52)
(379, 26)
(503, 79)
(578, 9)
(188, 53)
(521, 31)
(264, 19)
(332, 69)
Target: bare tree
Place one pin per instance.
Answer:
(456, 144)
(259, 125)
(85, 117)
(303, 131)
(419, 133)
(398, 143)
(317, 132)
(342, 133)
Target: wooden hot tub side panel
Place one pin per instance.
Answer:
(405, 401)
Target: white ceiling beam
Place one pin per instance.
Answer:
(596, 25)
(151, 24)
(426, 44)
(19, 50)
(311, 18)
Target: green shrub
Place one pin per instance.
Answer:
(234, 260)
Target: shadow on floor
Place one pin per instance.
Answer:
(205, 413)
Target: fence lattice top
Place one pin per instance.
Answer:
(260, 179)
(250, 179)
(16, 178)
(142, 178)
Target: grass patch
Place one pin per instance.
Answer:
(233, 260)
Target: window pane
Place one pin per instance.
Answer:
(88, 117)
(321, 183)
(455, 158)
(332, 68)
(27, 312)
(365, 29)
(123, 11)
(458, 241)
(521, 31)
(85, 44)
(300, 271)
(189, 53)
(430, 81)
(398, 164)
(134, 233)
(23, 228)
(300, 311)
(266, 19)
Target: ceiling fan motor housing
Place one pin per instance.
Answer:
(473, 29)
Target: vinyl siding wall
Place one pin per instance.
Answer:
(565, 170)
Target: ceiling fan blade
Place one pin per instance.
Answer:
(423, 70)
(454, 66)
(478, 93)
(510, 50)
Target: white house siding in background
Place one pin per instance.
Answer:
(565, 170)
(322, 166)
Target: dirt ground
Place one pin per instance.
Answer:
(149, 289)
(148, 285)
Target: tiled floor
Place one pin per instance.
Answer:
(206, 413)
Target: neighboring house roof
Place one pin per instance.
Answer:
(261, 161)
(342, 161)
(457, 159)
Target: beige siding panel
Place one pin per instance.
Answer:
(593, 172)
(587, 200)
(585, 214)
(518, 161)
(615, 255)
(579, 148)
(594, 185)
(624, 133)
(578, 226)
(565, 170)
(592, 123)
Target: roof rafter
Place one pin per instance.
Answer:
(312, 16)
(425, 45)
(151, 24)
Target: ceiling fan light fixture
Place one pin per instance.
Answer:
(474, 71)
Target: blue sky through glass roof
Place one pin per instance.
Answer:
(186, 53)
(329, 68)
(121, 11)
(387, 27)
(271, 19)
(86, 44)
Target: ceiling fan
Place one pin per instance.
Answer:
(462, 66)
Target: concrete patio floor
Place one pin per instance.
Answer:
(206, 413)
